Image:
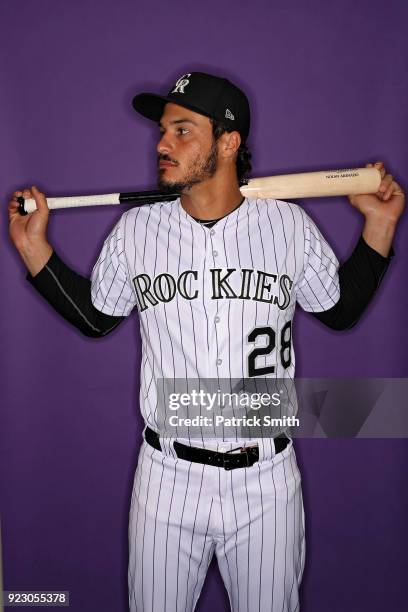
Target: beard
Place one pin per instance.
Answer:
(200, 169)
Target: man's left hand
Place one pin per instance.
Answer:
(384, 206)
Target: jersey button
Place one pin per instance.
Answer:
(217, 319)
(215, 253)
(219, 361)
(212, 232)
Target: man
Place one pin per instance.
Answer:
(215, 278)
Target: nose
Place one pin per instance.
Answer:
(164, 145)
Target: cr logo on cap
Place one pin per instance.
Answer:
(182, 83)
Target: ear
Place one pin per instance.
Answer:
(229, 143)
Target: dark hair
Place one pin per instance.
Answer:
(243, 153)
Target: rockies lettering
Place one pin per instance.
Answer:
(254, 285)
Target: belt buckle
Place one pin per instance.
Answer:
(227, 457)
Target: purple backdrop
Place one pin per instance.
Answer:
(328, 86)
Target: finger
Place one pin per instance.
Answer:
(27, 194)
(380, 166)
(394, 187)
(17, 194)
(388, 193)
(40, 199)
(13, 206)
(13, 210)
(385, 183)
(398, 189)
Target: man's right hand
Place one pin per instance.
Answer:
(29, 232)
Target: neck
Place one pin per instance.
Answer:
(213, 198)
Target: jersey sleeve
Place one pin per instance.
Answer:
(318, 286)
(111, 286)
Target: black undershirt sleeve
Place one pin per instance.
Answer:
(359, 278)
(69, 294)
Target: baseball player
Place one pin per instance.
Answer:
(215, 279)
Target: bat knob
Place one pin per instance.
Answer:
(21, 208)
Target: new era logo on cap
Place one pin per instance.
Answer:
(229, 115)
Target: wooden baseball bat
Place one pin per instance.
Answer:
(302, 185)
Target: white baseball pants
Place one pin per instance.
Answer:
(251, 518)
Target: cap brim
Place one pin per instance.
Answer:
(150, 105)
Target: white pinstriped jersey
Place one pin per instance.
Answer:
(214, 302)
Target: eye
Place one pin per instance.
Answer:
(182, 131)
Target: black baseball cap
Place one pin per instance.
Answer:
(209, 95)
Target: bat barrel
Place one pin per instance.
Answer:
(348, 181)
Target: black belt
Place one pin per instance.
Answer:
(229, 461)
